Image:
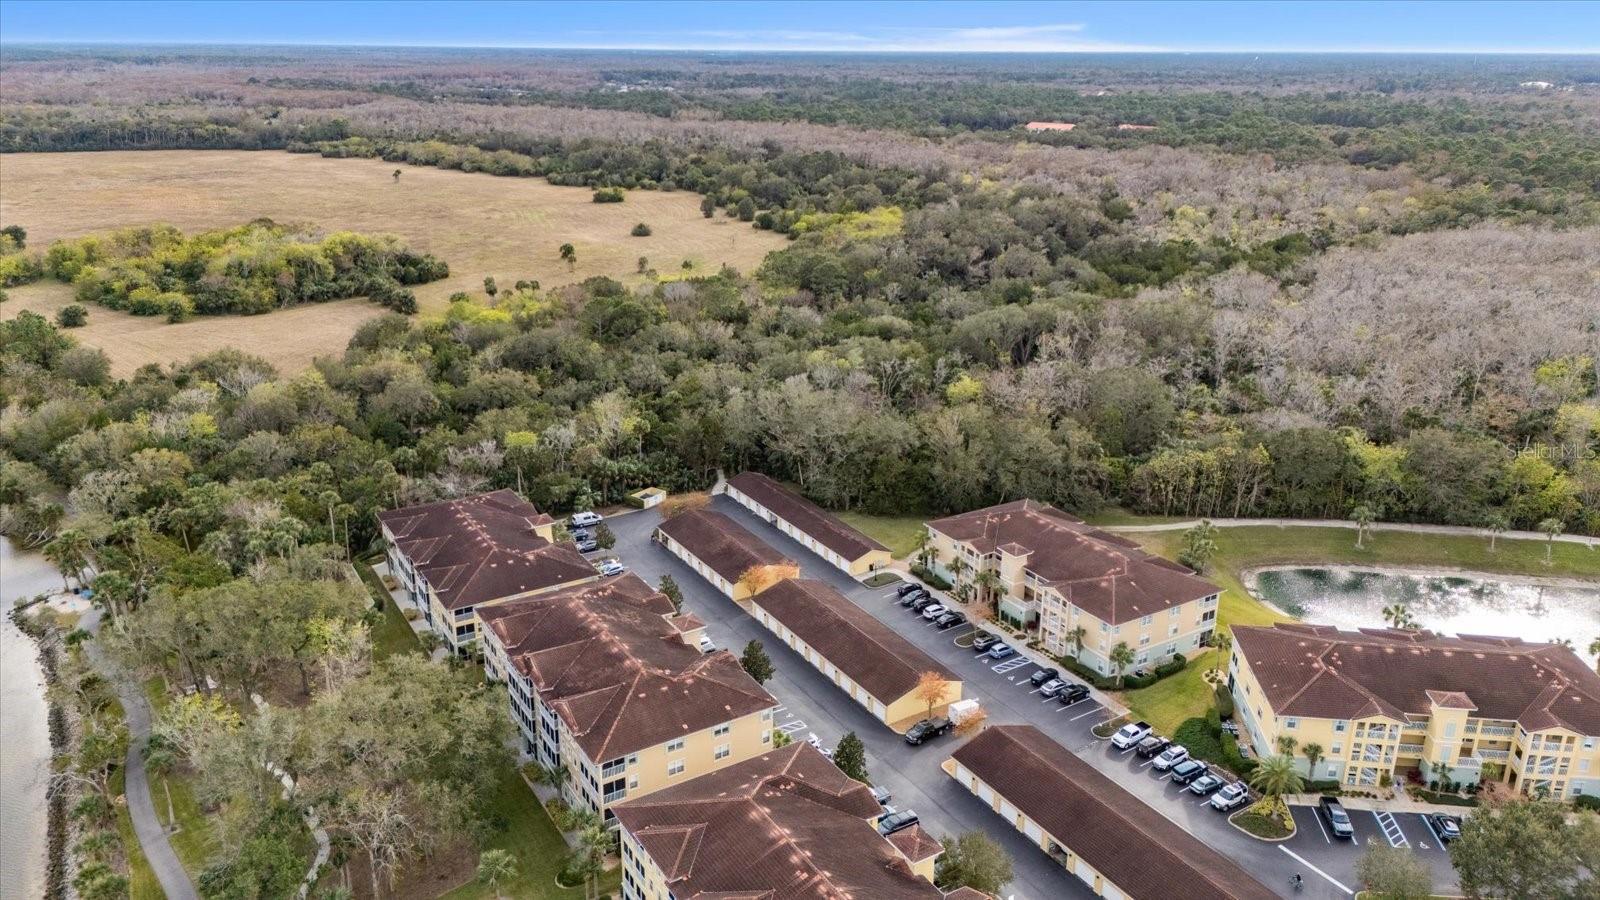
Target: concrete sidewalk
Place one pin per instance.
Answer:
(1402, 803)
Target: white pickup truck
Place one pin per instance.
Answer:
(1130, 734)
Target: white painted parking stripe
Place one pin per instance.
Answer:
(792, 727)
(1304, 862)
(1089, 713)
(1433, 831)
(1391, 829)
(1317, 817)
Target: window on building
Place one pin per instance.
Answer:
(720, 730)
(674, 767)
(1339, 725)
(1146, 620)
(675, 746)
(1291, 723)
(723, 751)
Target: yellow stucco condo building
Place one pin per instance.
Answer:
(456, 557)
(787, 824)
(1086, 590)
(605, 681)
(865, 658)
(1381, 702)
(820, 531)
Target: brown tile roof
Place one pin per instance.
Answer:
(721, 543)
(967, 893)
(787, 825)
(1099, 572)
(824, 527)
(854, 640)
(1321, 672)
(916, 844)
(483, 548)
(1143, 852)
(609, 659)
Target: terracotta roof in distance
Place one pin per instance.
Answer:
(609, 658)
(725, 546)
(483, 548)
(786, 825)
(823, 527)
(1105, 574)
(871, 653)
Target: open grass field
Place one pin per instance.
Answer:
(898, 533)
(1167, 703)
(511, 228)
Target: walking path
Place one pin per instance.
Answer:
(1592, 543)
(147, 825)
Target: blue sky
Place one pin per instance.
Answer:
(1560, 27)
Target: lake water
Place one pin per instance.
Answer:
(25, 750)
(1446, 603)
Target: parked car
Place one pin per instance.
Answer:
(1130, 734)
(913, 596)
(816, 743)
(907, 588)
(1152, 745)
(581, 534)
(923, 603)
(1052, 687)
(1230, 797)
(984, 641)
(1073, 694)
(898, 821)
(1043, 675)
(1170, 757)
(1205, 784)
(1448, 828)
(1338, 820)
(927, 730)
(933, 611)
(950, 619)
(611, 567)
(585, 519)
(587, 545)
(1187, 771)
(707, 645)
(881, 794)
(1001, 651)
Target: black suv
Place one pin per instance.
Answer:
(1152, 746)
(984, 641)
(1043, 675)
(907, 588)
(949, 620)
(923, 602)
(911, 597)
(926, 730)
(896, 821)
(1073, 694)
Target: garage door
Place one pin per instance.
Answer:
(1032, 831)
(985, 794)
(1008, 811)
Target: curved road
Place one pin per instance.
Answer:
(1463, 530)
(147, 826)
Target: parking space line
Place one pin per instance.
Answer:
(1304, 862)
(1089, 713)
(1433, 831)
(1317, 817)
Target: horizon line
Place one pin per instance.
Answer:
(855, 51)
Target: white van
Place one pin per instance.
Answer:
(585, 519)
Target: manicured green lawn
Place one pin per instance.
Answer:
(532, 838)
(898, 533)
(1166, 704)
(394, 634)
(142, 883)
(1116, 515)
(192, 841)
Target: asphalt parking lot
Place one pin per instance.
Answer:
(811, 704)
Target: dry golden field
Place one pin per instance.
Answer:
(511, 228)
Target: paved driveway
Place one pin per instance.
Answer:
(813, 704)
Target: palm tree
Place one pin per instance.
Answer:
(495, 866)
(1078, 633)
(1313, 754)
(1121, 658)
(569, 255)
(1397, 615)
(988, 581)
(594, 842)
(1223, 641)
(1363, 515)
(1199, 545)
(924, 550)
(1275, 777)
(1563, 642)
(1496, 525)
(1594, 650)
(69, 552)
(1287, 744)
(1552, 529)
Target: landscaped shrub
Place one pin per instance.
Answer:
(1071, 664)
(1224, 701)
(1587, 801)
(608, 195)
(1172, 666)
(930, 577)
